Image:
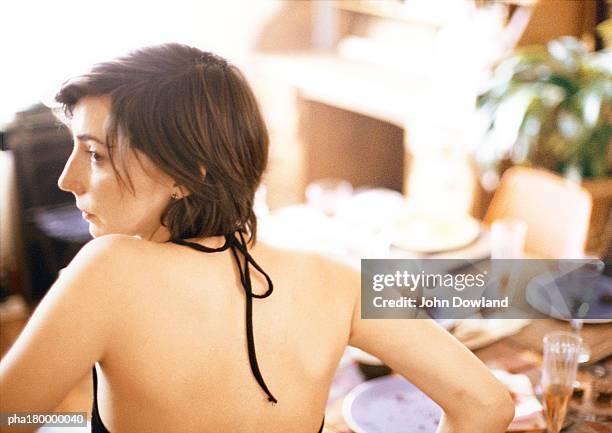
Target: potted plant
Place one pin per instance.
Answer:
(551, 107)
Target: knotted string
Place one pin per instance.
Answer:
(236, 246)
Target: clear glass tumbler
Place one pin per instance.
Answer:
(508, 238)
(561, 352)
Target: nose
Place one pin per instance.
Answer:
(69, 180)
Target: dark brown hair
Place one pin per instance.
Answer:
(187, 110)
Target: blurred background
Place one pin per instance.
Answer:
(469, 129)
(391, 121)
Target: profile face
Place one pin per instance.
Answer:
(108, 205)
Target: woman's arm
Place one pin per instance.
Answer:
(473, 400)
(67, 333)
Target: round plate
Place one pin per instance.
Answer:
(390, 404)
(543, 291)
(446, 323)
(434, 233)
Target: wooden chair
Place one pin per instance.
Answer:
(556, 211)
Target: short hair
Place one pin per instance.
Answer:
(187, 110)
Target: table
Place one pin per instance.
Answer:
(521, 353)
(528, 344)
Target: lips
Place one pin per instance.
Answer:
(85, 214)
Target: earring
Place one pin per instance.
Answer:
(174, 196)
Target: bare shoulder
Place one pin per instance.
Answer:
(100, 263)
(105, 247)
(116, 248)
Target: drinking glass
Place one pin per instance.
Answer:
(328, 194)
(561, 352)
(508, 238)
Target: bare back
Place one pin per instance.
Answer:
(166, 326)
(179, 360)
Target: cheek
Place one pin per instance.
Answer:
(107, 201)
(105, 190)
(146, 206)
(151, 195)
(121, 211)
(153, 205)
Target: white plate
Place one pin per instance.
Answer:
(446, 323)
(390, 404)
(434, 233)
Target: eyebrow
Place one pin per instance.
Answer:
(88, 137)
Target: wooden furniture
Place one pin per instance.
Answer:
(52, 227)
(521, 353)
(556, 211)
(527, 345)
(600, 229)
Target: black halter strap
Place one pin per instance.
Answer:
(236, 246)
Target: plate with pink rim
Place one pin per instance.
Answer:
(390, 404)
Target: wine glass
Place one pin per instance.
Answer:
(561, 352)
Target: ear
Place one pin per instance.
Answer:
(180, 191)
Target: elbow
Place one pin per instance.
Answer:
(500, 406)
(491, 411)
(504, 407)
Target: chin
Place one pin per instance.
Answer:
(96, 231)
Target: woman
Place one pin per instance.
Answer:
(169, 147)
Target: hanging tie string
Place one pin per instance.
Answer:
(239, 245)
(245, 277)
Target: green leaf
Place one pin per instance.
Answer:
(589, 101)
(599, 145)
(551, 107)
(565, 83)
(567, 50)
(599, 62)
(551, 95)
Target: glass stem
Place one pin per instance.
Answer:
(576, 325)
